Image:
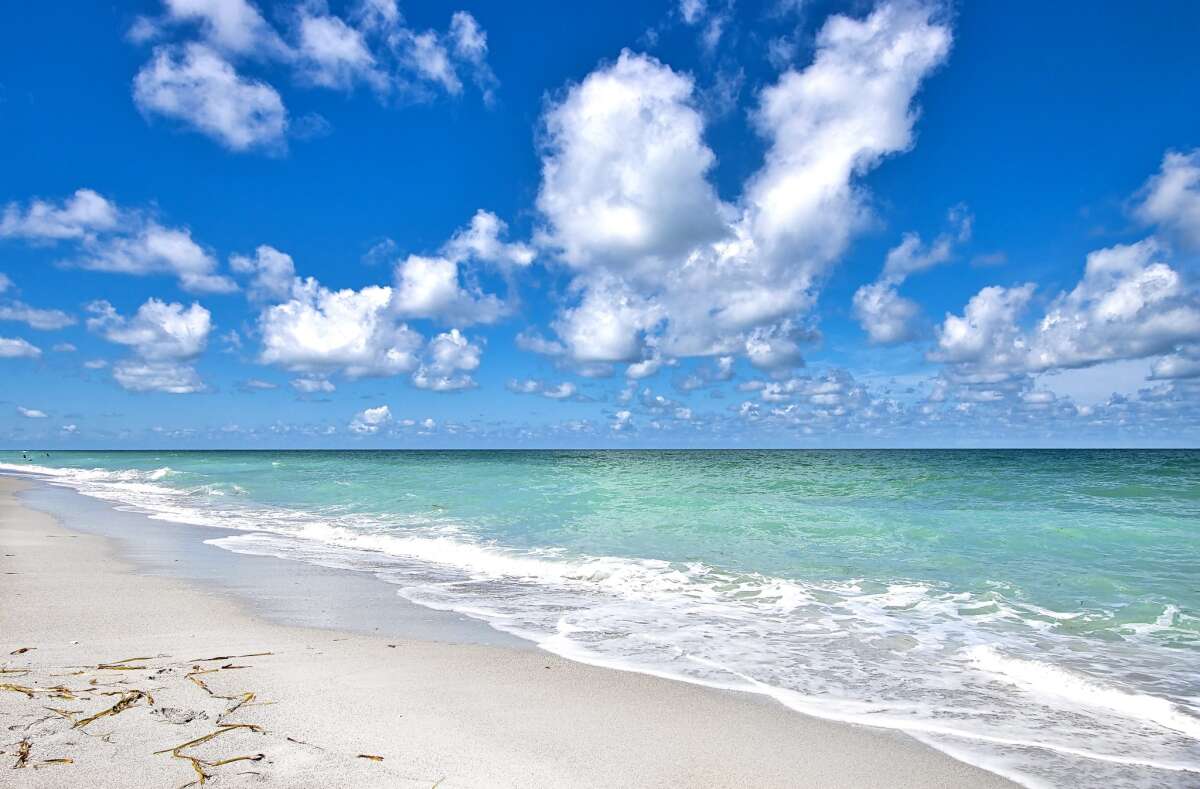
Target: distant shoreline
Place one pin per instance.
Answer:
(377, 450)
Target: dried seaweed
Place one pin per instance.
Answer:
(199, 764)
(52, 762)
(221, 729)
(61, 692)
(128, 696)
(228, 657)
(68, 714)
(17, 689)
(23, 750)
(128, 699)
(122, 665)
(370, 756)
(241, 698)
(21, 651)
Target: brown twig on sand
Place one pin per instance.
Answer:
(370, 756)
(21, 651)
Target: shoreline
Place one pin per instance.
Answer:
(278, 589)
(463, 713)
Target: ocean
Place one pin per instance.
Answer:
(1033, 612)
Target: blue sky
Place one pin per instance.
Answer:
(244, 224)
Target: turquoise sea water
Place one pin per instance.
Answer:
(1035, 612)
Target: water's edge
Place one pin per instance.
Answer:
(359, 603)
(267, 586)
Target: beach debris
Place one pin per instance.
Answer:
(52, 762)
(128, 699)
(122, 665)
(229, 657)
(68, 714)
(17, 689)
(199, 764)
(61, 692)
(241, 698)
(21, 651)
(23, 749)
(302, 742)
(121, 694)
(370, 756)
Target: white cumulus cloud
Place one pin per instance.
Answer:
(80, 215)
(351, 331)
(1129, 304)
(195, 85)
(157, 331)
(165, 337)
(272, 271)
(234, 26)
(1171, 198)
(449, 360)
(197, 72)
(105, 237)
(658, 257)
(371, 420)
(988, 333)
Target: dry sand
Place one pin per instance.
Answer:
(436, 713)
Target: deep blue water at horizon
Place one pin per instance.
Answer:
(1033, 611)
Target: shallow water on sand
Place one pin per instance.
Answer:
(1034, 612)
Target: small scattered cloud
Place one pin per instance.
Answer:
(561, 391)
(256, 385)
(18, 348)
(371, 420)
(105, 237)
(312, 385)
